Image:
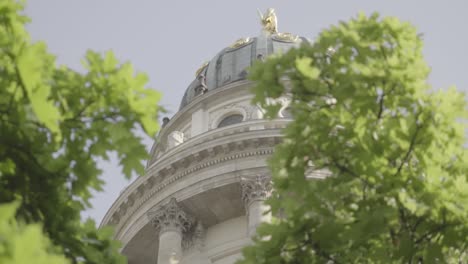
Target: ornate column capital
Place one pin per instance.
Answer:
(170, 217)
(256, 188)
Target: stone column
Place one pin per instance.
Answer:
(255, 190)
(171, 221)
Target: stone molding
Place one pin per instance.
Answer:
(170, 217)
(242, 89)
(220, 146)
(124, 214)
(139, 218)
(257, 188)
(227, 249)
(269, 126)
(161, 176)
(244, 108)
(175, 138)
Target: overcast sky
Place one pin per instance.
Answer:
(169, 40)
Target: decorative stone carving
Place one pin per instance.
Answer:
(170, 217)
(282, 101)
(255, 112)
(234, 108)
(165, 121)
(199, 235)
(243, 74)
(201, 88)
(201, 68)
(161, 177)
(255, 188)
(285, 102)
(195, 238)
(175, 138)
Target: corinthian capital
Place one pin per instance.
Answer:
(255, 189)
(170, 217)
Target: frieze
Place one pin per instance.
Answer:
(252, 112)
(159, 177)
(125, 215)
(207, 154)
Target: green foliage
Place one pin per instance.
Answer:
(54, 124)
(25, 243)
(363, 110)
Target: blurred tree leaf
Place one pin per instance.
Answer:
(363, 110)
(22, 243)
(55, 123)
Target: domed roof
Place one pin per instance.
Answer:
(230, 64)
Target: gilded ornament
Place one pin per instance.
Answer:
(269, 21)
(285, 36)
(240, 42)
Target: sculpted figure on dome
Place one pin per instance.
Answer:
(175, 138)
(202, 88)
(269, 21)
(201, 68)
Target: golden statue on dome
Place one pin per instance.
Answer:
(269, 21)
(270, 25)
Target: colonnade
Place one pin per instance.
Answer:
(177, 229)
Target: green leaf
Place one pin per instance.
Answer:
(397, 186)
(55, 125)
(38, 92)
(303, 65)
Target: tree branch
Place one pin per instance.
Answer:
(409, 151)
(381, 106)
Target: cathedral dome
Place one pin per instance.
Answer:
(231, 64)
(202, 195)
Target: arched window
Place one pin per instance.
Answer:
(231, 120)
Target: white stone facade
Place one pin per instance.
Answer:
(202, 195)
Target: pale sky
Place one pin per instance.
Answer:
(169, 40)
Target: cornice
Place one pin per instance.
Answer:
(226, 135)
(210, 180)
(241, 87)
(130, 208)
(192, 154)
(198, 159)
